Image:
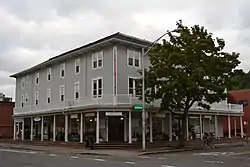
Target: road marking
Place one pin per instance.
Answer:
(145, 157)
(167, 166)
(18, 151)
(74, 157)
(161, 158)
(101, 160)
(52, 155)
(132, 163)
(217, 162)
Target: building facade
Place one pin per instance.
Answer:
(6, 112)
(91, 91)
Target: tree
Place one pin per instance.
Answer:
(239, 80)
(190, 68)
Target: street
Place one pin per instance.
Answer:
(227, 157)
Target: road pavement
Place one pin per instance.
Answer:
(227, 157)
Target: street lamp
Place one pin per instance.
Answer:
(143, 86)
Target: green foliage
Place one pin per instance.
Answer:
(190, 67)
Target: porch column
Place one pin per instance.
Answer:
(162, 125)
(42, 126)
(107, 129)
(125, 128)
(31, 128)
(66, 128)
(23, 130)
(229, 126)
(97, 127)
(201, 133)
(216, 126)
(241, 127)
(170, 127)
(81, 127)
(129, 128)
(150, 127)
(235, 132)
(187, 128)
(14, 130)
(54, 128)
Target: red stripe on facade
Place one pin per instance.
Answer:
(114, 58)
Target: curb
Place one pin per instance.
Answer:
(186, 149)
(93, 154)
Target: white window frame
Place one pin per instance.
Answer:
(77, 83)
(134, 86)
(22, 100)
(37, 77)
(133, 54)
(49, 73)
(37, 98)
(97, 56)
(48, 95)
(23, 83)
(97, 95)
(78, 63)
(62, 87)
(62, 67)
(26, 97)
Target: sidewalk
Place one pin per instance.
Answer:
(102, 152)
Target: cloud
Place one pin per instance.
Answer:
(34, 31)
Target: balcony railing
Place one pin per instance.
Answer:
(120, 99)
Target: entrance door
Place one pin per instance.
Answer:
(116, 128)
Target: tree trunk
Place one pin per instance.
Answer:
(183, 137)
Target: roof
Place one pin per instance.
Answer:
(117, 37)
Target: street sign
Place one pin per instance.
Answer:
(137, 107)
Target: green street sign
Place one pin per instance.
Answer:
(137, 107)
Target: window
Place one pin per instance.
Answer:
(97, 87)
(22, 100)
(26, 98)
(97, 59)
(48, 74)
(77, 65)
(48, 95)
(27, 79)
(133, 58)
(37, 98)
(132, 83)
(37, 78)
(23, 83)
(77, 90)
(62, 70)
(62, 93)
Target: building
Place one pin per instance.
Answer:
(6, 112)
(90, 91)
(241, 97)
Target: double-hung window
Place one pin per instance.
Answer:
(132, 84)
(37, 78)
(22, 100)
(133, 58)
(97, 87)
(26, 98)
(49, 74)
(48, 95)
(77, 65)
(62, 93)
(97, 60)
(62, 70)
(77, 90)
(23, 83)
(37, 98)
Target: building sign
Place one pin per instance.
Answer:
(89, 114)
(113, 113)
(37, 119)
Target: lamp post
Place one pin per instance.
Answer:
(143, 87)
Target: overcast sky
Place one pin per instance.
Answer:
(33, 31)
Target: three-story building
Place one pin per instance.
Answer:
(91, 91)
